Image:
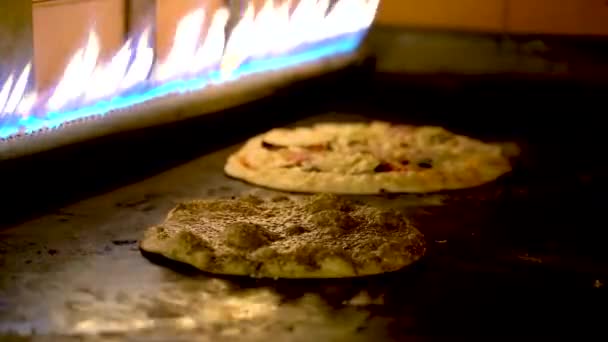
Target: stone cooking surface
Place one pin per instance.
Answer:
(79, 271)
(492, 251)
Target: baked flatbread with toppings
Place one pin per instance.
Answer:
(367, 158)
(322, 236)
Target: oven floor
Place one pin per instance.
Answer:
(508, 258)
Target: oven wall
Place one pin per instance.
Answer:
(168, 15)
(61, 27)
(570, 17)
(57, 28)
(580, 17)
(16, 46)
(479, 15)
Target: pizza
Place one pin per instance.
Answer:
(323, 236)
(366, 158)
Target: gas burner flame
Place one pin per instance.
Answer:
(274, 38)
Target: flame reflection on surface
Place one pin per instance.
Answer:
(270, 40)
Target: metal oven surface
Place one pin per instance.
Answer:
(524, 254)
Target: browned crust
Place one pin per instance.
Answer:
(319, 237)
(483, 164)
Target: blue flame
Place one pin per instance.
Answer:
(344, 44)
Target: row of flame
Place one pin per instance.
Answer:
(274, 30)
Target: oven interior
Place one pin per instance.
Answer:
(525, 254)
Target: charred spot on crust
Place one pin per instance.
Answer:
(272, 147)
(327, 201)
(390, 220)
(426, 163)
(333, 221)
(192, 243)
(384, 167)
(247, 236)
(291, 166)
(405, 162)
